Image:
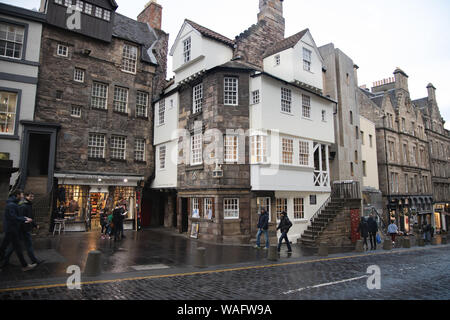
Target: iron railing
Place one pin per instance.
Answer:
(314, 228)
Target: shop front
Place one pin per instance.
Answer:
(408, 212)
(441, 217)
(82, 199)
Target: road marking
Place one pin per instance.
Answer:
(208, 272)
(324, 285)
(150, 267)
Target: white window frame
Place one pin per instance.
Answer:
(120, 102)
(96, 146)
(106, 15)
(197, 96)
(299, 209)
(307, 59)
(62, 50)
(231, 208)
(18, 35)
(118, 146)
(286, 100)
(10, 117)
(129, 58)
(67, 3)
(162, 157)
(306, 106)
(142, 104)
(162, 112)
(281, 205)
(88, 8)
(259, 149)
(256, 98)
(231, 91)
(187, 47)
(139, 150)
(231, 148)
(287, 148)
(79, 6)
(196, 149)
(59, 2)
(99, 94)
(304, 153)
(78, 75)
(98, 12)
(264, 203)
(195, 208)
(208, 205)
(75, 112)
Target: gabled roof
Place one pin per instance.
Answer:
(421, 103)
(22, 13)
(208, 33)
(285, 44)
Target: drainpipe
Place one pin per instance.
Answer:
(387, 169)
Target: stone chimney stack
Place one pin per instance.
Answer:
(431, 92)
(152, 14)
(401, 79)
(271, 11)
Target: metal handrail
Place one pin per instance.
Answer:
(383, 227)
(317, 214)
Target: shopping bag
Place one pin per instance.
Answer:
(378, 238)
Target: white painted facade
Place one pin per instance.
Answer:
(369, 154)
(205, 53)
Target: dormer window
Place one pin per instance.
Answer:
(307, 59)
(98, 12)
(106, 15)
(79, 6)
(187, 50)
(129, 58)
(88, 8)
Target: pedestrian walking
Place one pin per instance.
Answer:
(11, 224)
(373, 230)
(104, 222)
(25, 210)
(284, 226)
(363, 229)
(393, 230)
(263, 227)
(119, 214)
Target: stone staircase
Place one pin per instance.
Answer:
(321, 221)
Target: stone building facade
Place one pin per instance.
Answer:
(439, 150)
(98, 88)
(402, 151)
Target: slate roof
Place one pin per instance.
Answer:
(210, 34)
(285, 44)
(22, 13)
(421, 103)
(137, 32)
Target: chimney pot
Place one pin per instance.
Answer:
(152, 14)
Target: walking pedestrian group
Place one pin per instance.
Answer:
(112, 222)
(369, 229)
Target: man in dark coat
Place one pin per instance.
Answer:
(12, 222)
(373, 229)
(364, 230)
(263, 227)
(119, 214)
(26, 210)
(284, 226)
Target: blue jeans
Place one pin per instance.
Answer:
(284, 237)
(28, 242)
(258, 237)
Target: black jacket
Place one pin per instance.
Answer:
(285, 224)
(363, 228)
(26, 210)
(118, 215)
(373, 226)
(12, 219)
(263, 222)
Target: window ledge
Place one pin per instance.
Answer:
(121, 113)
(99, 109)
(97, 159)
(287, 113)
(194, 167)
(308, 119)
(119, 160)
(9, 137)
(142, 118)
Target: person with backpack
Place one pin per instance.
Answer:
(284, 226)
(363, 229)
(263, 227)
(373, 229)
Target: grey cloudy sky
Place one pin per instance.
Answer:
(378, 35)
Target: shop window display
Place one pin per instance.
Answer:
(74, 200)
(127, 196)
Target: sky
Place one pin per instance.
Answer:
(378, 35)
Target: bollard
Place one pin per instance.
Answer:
(359, 246)
(406, 243)
(323, 249)
(273, 253)
(93, 264)
(421, 242)
(387, 245)
(200, 261)
(443, 240)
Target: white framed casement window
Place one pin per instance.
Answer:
(255, 97)
(11, 40)
(78, 75)
(307, 59)
(230, 97)
(139, 150)
(88, 8)
(162, 112)
(62, 50)
(120, 102)
(306, 106)
(281, 206)
(99, 96)
(129, 58)
(286, 100)
(79, 6)
(197, 93)
(231, 208)
(288, 150)
(8, 110)
(303, 153)
(195, 208)
(299, 209)
(196, 149)
(259, 149)
(96, 146)
(118, 147)
(208, 208)
(67, 3)
(98, 12)
(162, 157)
(231, 148)
(187, 50)
(106, 15)
(264, 203)
(141, 104)
(75, 111)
